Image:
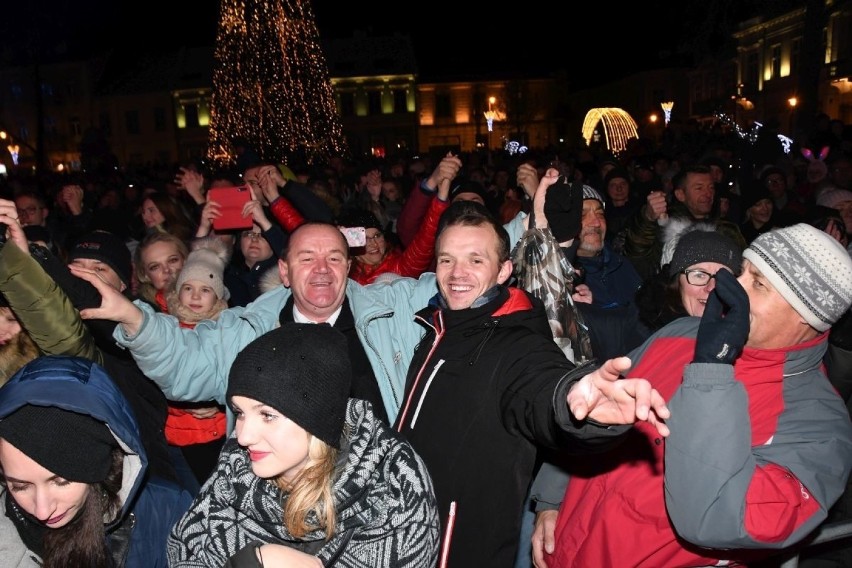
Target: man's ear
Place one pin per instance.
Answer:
(284, 272)
(505, 272)
(679, 194)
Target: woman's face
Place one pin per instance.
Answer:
(162, 261)
(49, 498)
(375, 249)
(151, 216)
(761, 211)
(276, 445)
(694, 297)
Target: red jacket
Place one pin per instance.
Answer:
(411, 262)
(750, 467)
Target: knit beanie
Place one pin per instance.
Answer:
(73, 446)
(302, 371)
(590, 192)
(809, 268)
(833, 197)
(614, 173)
(705, 246)
(460, 186)
(206, 263)
(107, 248)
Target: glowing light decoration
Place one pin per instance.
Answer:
(515, 147)
(14, 150)
(492, 114)
(618, 127)
(667, 110)
(271, 84)
(786, 143)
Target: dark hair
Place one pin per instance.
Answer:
(473, 214)
(679, 180)
(82, 542)
(658, 300)
(177, 220)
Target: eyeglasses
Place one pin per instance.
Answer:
(698, 277)
(376, 237)
(251, 235)
(28, 210)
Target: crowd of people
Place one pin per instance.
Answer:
(177, 392)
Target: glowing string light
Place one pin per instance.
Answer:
(14, 150)
(667, 110)
(618, 126)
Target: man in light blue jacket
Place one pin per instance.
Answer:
(193, 364)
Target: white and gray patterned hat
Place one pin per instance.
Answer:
(809, 268)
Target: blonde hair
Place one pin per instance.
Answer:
(146, 290)
(311, 492)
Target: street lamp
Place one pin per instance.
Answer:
(792, 101)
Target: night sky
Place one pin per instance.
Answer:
(595, 40)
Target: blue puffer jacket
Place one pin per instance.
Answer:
(79, 385)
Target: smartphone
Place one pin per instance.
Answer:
(231, 201)
(355, 236)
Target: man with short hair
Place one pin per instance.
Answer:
(645, 234)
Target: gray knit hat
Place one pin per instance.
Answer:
(699, 245)
(809, 268)
(206, 263)
(590, 192)
(303, 371)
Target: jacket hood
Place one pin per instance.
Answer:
(82, 386)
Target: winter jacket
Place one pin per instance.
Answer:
(612, 278)
(193, 365)
(414, 260)
(486, 387)
(385, 505)
(758, 453)
(47, 314)
(149, 506)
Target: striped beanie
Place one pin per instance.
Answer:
(809, 268)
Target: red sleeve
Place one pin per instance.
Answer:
(411, 216)
(286, 214)
(417, 257)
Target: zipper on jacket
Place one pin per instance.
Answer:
(425, 390)
(439, 333)
(448, 535)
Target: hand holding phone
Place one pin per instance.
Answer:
(231, 201)
(355, 236)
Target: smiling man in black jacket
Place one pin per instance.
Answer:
(488, 386)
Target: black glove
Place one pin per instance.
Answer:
(563, 207)
(721, 336)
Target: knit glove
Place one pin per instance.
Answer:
(563, 207)
(721, 336)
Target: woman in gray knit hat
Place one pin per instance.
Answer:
(310, 477)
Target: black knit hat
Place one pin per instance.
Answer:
(107, 248)
(302, 371)
(705, 246)
(73, 446)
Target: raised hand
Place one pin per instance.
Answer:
(722, 336)
(527, 176)
(115, 306)
(606, 398)
(563, 206)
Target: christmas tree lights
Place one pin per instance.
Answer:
(271, 84)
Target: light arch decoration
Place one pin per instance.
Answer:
(618, 127)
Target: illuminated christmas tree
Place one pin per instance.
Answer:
(271, 85)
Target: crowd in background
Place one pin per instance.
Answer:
(685, 205)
